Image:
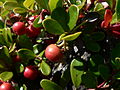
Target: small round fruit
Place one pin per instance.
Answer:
(6, 86)
(32, 31)
(30, 72)
(19, 28)
(16, 58)
(53, 53)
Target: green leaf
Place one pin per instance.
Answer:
(28, 3)
(24, 87)
(118, 9)
(110, 2)
(1, 25)
(117, 75)
(114, 18)
(10, 5)
(25, 42)
(6, 76)
(97, 36)
(61, 18)
(116, 63)
(19, 10)
(26, 54)
(7, 36)
(53, 27)
(45, 68)
(98, 7)
(71, 37)
(19, 67)
(37, 48)
(89, 80)
(43, 3)
(73, 16)
(73, 1)
(104, 71)
(54, 4)
(4, 55)
(2, 64)
(37, 22)
(1, 4)
(4, 13)
(76, 70)
(116, 51)
(2, 41)
(65, 78)
(81, 4)
(93, 46)
(49, 85)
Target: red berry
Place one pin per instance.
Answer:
(19, 28)
(32, 31)
(6, 86)
(30, 72)
(53, 53)
(16, 58)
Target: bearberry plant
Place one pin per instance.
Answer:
(59, 44)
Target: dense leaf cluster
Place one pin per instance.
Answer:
(87, 32)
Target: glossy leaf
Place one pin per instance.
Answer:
(61, 18)
(49, 85)
(37, 22)
(45, 68)
(19, 10)
(25, 42)
(117, 75)
(65, 78)
(114, 19)
(71, 37)
(118, 10)
(7, 36)
(1, 4)
(110, 2)
(97, 36)
(89, 80)
(76, 70)
(28, 3)
(26, 54)
(43, 3)
(93, 46)
(10, 5)
(73, 1)
(53, 27)
(4, 55)
(4, 13)
(6, 76)
(73, 16)
(1, 24)
(19, 67)
(115, 51)
(81, 4)
(98, 7)
(104, 71)
(54, 4)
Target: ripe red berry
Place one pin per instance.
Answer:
(19, 28)
(30, 72)
(53, 53)
(6, 86)
(16, 58)
(32, 31)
